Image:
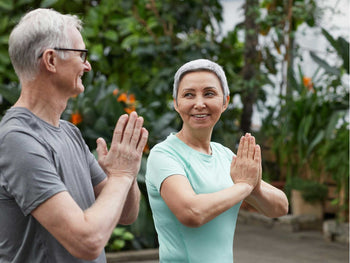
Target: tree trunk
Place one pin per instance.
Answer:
(290, 45)
(250, 71)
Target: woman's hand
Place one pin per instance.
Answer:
(246, 166)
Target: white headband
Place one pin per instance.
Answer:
(197, 65)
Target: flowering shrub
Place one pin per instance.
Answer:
(307, 82)
(97, 110)
(76, 118)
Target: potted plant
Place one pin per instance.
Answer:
(306, 196)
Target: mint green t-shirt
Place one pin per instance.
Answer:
(212, 242)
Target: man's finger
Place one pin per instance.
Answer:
(101, 148)
(129, 128)
(119, 129)
(136, 133)
(143, 140)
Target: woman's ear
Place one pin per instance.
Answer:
(175, 105)
(226, 103)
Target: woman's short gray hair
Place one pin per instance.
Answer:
(201, 65)
(38, 30)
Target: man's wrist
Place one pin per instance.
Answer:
(128, 179)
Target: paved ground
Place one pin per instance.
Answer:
(258, 243)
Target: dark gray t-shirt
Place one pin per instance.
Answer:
(37, 161)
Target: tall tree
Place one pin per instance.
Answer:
(250, 71)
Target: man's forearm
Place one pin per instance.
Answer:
(85, 233)
(106, 212)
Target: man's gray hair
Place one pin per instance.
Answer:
(200, 65)
(37, 31)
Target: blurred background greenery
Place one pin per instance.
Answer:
(135, 47)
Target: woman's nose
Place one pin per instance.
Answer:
(199, 103)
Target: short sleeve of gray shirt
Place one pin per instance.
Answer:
(37, 161)
(29, 170)
(29, 166)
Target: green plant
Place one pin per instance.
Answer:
(119, 239)
(311, 191)
(310, 128)
(337, 165)
(135, 47)
(97, 109)
(9, 95)
(305, 123)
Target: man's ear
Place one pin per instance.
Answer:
(49, 59)
(224, 107)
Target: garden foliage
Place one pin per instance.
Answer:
(135, 48)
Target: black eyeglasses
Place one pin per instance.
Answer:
(83, 52)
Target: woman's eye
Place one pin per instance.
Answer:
(209, 93)
(188, 95)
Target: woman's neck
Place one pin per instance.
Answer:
(198, 141)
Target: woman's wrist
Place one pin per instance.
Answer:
(247, 188)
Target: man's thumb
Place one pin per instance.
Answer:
(101, 147)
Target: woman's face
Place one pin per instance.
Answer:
(200, 100)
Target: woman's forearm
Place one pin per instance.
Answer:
(268, 200)
(132, 205)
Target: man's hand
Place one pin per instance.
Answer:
(128, 142)
(246, 166)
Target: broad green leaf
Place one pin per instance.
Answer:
(6, 5)
(325, 65)
(315, 142)
(111, 35)
(130, 41)
(48, 3)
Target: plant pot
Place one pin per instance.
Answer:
(301, 207)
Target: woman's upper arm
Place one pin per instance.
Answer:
(179, 196)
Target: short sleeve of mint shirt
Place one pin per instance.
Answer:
(163, 165)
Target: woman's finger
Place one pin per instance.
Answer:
(251, 147)
(240, 147)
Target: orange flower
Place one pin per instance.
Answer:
(129, 109)
(308, 83)
(131, 98)
(76, 118)
(146, 149)
(115, 92)
(123, 97)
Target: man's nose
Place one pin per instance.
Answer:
(87, 66)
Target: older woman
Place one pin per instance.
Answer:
(196, 186)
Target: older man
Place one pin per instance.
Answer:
(57, 203)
